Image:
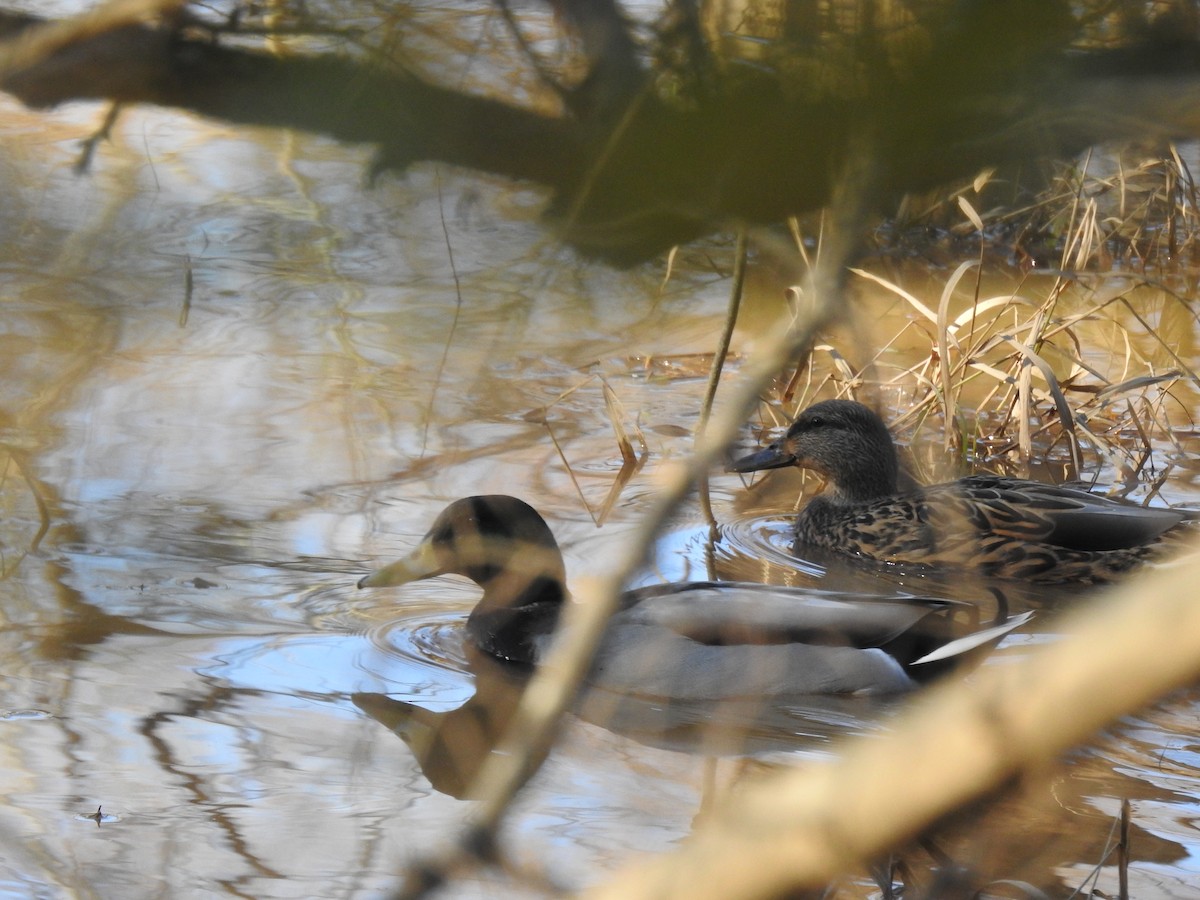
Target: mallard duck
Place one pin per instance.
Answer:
(999, 527)
(699, 640)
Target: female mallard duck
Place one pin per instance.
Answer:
(688, 641)
(999, 527)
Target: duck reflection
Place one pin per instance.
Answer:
(450, 747)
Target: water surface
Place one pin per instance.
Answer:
(193, 482)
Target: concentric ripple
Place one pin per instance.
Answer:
(759, 548)
(424, 638)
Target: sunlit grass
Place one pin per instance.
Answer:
(1085, 366)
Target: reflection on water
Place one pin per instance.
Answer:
(186, 505)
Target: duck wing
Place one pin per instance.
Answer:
(732, 613)
(1046, 513)
(650, 661)
(706, 641)
(983, 640)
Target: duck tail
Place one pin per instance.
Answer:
(979, 640)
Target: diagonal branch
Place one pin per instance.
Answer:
(538, 718)
(633, 168)
(804, 827)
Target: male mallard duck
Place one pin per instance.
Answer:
(688, 641)
(999, 527)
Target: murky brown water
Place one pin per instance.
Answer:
(191, 488)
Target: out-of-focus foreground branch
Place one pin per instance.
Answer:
(802, 828)
(539, 715)
(640, 155)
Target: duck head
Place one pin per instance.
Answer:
(842, 440)
(504, 546)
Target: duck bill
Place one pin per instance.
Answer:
(770, 457)
(421, 563)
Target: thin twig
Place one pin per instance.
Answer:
(1123, 853)
(718, 363)
(458, 305)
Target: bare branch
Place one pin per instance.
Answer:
(633, 168)
(803, 828)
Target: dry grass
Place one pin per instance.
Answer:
(1085, 365)
(622, 426)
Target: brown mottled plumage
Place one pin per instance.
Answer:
(999, 527)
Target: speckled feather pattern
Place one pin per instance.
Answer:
(982, 523)
(995, 526)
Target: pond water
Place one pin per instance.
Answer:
(234, 381)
